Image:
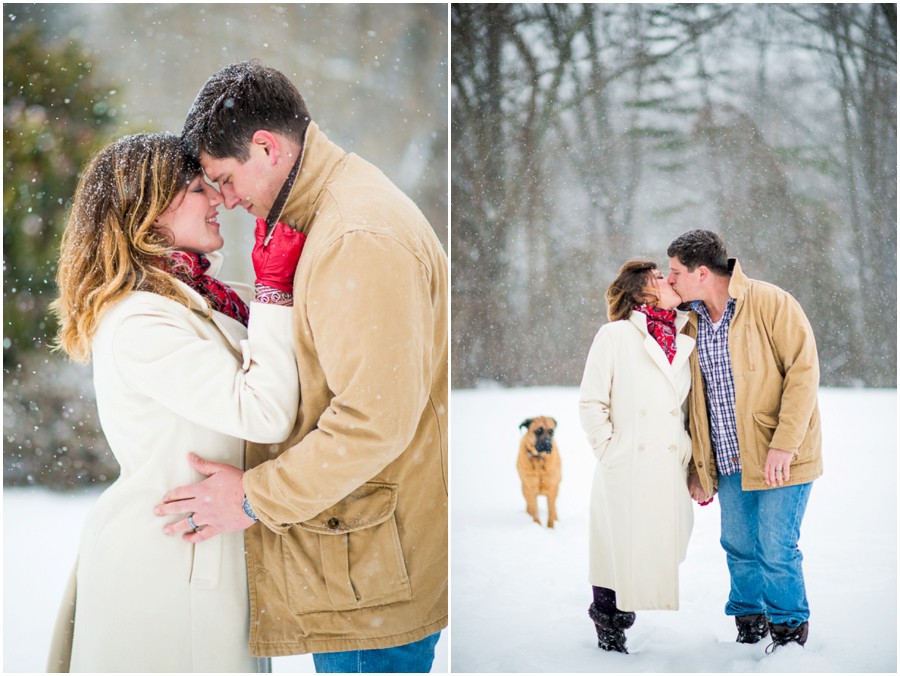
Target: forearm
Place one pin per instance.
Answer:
(324, 467)
(160, 353)
(594, 395)
(372, 323)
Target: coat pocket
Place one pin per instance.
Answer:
(349, 556)
(602, 449)
(764, 424)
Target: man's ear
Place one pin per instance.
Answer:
(268, 143)
(704, 272)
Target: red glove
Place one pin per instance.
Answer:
(275, 264)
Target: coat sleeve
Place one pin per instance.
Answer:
(795, 349)
(372, 320)
(160, 355)
(596, 387)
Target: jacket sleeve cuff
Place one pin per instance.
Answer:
(255, 495)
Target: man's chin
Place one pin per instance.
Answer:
(253, 210)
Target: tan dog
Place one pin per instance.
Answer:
(539, 465)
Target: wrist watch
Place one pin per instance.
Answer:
(248, 510)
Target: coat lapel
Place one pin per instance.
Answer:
(684, 345)
(228, 327)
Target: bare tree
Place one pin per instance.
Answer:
(587, 134)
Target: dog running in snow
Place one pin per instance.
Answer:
(539, 465)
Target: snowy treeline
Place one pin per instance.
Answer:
(587, 134)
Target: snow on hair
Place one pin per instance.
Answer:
(110, 246)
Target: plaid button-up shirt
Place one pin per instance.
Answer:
(715, 364)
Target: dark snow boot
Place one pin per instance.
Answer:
(751, 628)
(611, 628)
(782, 634)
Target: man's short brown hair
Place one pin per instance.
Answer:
(235, 103)
(700, 247)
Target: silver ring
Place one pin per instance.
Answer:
(191, 522)
(778, 471)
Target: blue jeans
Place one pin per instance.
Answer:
(760, 530)
(412, 658)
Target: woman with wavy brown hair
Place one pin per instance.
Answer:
(633, 393)
(182, 363)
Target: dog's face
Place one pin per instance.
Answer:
(539, 433)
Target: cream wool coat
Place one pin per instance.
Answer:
(170, 381)
(632, 408)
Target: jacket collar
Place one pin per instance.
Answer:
(319, 159)
(737, 289)
(684, 344)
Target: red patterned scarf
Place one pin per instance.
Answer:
(191, 269)
(661, 325)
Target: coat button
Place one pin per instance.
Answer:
(700, 464)
(333, 523)
(641, 447)
(673, 448)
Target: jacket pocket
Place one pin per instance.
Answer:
(764, 425)
(349, 556)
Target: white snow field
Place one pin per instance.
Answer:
(520, 593)
(41, 530)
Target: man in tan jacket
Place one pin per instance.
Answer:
(348, 559)
(754, 422)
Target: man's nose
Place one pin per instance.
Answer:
(231, 200)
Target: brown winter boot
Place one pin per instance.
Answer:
(782, 634)
(751, 628)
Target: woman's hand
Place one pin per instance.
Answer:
(275, 264)
(695, 488)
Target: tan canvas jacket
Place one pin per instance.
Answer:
(351, 551)
(776, 382)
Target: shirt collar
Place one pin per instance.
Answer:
(699, 307)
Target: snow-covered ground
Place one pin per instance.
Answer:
(41, 530)
(519, 592)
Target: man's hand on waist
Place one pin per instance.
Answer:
(213, 506)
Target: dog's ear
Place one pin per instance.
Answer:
(526, 423)
(554, 421)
